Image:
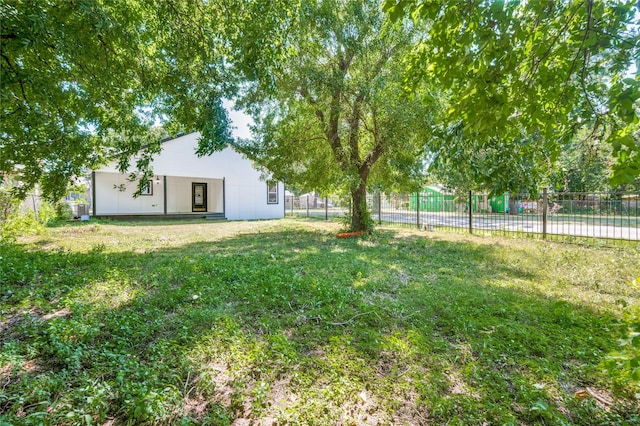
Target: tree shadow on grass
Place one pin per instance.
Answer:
(150, 221)
(299, 327)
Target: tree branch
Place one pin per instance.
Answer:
(383, 60)
(332, 131)
(555, 40)
(616, 37)
(20, 82)
(375, 153)
(354, 128)
(345, 63)
(585, 59)
(332, 128)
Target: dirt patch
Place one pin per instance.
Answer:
(386, 363)
(9, 375)
(410, 413)
(32, 366)
(5, 375)
(366, 243)
(78, 230)
(464, 352)
(404, 278)
(317, 352)
(8, 325)
(60, 313)
(458, 386)
(195, 407)
(602, 398)
(363, 410)
(222, 381)
(279, 395)
(6, 371)
(518, 408)
(376, 297)
(407, 409)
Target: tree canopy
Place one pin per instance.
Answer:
(521, 78)
(331, 113)
(86, 80)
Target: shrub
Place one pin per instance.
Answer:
(14, 222)
(63, 211)
(18, 223)
(47, 214)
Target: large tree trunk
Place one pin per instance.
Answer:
(359, 214)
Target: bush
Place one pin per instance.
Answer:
(14, 222)
(63, 211)
(18, 223)
(47, 214)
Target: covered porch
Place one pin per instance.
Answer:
(170, 196)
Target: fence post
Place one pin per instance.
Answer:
(470, 212)
(308, 205)
(326, 208)
(544, 213)
(418, 209)
(379, 208)
(35, 208)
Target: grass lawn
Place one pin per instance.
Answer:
(279, 322)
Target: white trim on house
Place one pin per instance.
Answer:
(228, 182)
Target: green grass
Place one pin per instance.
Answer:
(279, 321)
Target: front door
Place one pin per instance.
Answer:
(198, 197)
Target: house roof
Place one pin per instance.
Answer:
(437, 187)
(179, 135)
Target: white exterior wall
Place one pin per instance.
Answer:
(111, 200)
(245, 195)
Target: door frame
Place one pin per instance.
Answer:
(194, 206)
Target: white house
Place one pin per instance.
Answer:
(223, 185)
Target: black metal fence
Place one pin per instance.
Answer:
(570, 216)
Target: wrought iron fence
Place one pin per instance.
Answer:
(573, 216)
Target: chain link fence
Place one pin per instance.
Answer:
(567, 216)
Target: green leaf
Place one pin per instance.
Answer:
(540, 405)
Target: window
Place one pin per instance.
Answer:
(147, 189)
(272, 192)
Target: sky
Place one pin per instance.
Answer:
(239, 120)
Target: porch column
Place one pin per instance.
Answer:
(164, 189)
(93, 192)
